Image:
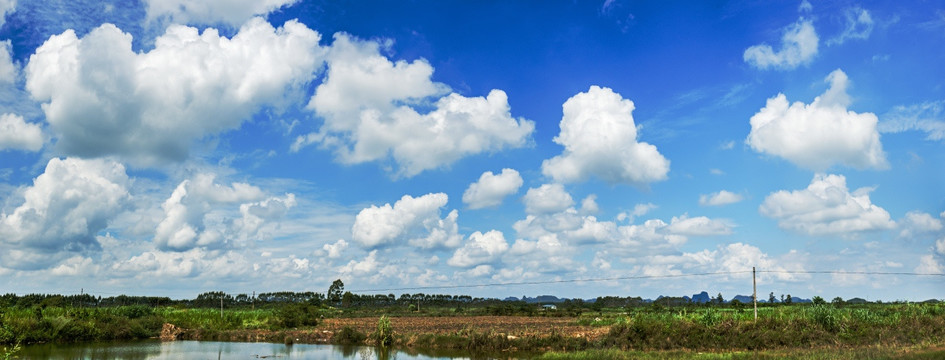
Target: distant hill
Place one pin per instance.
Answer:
(701, 298)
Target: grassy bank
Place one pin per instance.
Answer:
(608, 332)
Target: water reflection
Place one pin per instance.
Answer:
(156, 350)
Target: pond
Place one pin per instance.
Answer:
(157, 350)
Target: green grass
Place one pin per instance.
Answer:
(806, 354)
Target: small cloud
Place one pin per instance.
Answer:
(859, 25)
(805, 6)
(714, 171)
(798, 47)
(728, 145)
(719, 198)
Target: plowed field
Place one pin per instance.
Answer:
(509, 325)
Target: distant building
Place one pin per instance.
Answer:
(549, 307)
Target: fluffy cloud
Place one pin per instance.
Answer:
(6, 7)
(600, 139)
(7, 69)
(858, 25)
(928, 117)
(195, 215)
(697, 226)
(368, 106)
(193, 263)
(101, 98)
(820, 134)
(548, 198)
(64, 209)
(826, 207)
(722, 197)
(491, 189)
(479, 249)
(928, 264)
(15, 133)
(416, 220)
(232, 12)
(917, 223)
(798, 46)
(334, 250)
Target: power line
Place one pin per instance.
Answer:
(837, 272)
(642, 277)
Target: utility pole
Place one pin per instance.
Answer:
(221, 306)
(754, 291)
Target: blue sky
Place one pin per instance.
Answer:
(171, 147)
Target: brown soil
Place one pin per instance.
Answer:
(508, 325)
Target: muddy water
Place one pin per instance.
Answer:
(157, 350)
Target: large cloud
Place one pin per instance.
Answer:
(195, 215)
(826, 207)
(102, 98)
(64, 209)
(491, 189)
(17, 134)
(798, 46)
(368, 104)
(600, 139)
(820, 134)
(479, 249)
(416, 220)
(547, 198)
(232, 12)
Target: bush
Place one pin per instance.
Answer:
(296, 315)
(348, 336)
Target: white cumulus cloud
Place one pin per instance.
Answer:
(491, 189)
(821, 134)
(101, 98)
(826, 207)
(928, 264)
(415, 220)
(600, 139)
(17, 134)
(65, 208)
(232, 12)
(197, 214)
(798, 46)
(6, 7)
(547, 198)
(917, 223)
(479, 249)
(369, 106)
(722, 197)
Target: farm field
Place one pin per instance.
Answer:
(508, 329)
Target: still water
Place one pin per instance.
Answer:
(157, 350)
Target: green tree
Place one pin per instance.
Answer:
(771, 298)
(335, 290)
(788, 300)
(837, 301)
(719, 299)
(817, 300)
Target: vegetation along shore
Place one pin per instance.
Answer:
(609, 327)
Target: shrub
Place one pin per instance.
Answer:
(296, 315)
(348, 336)
(385, 332)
